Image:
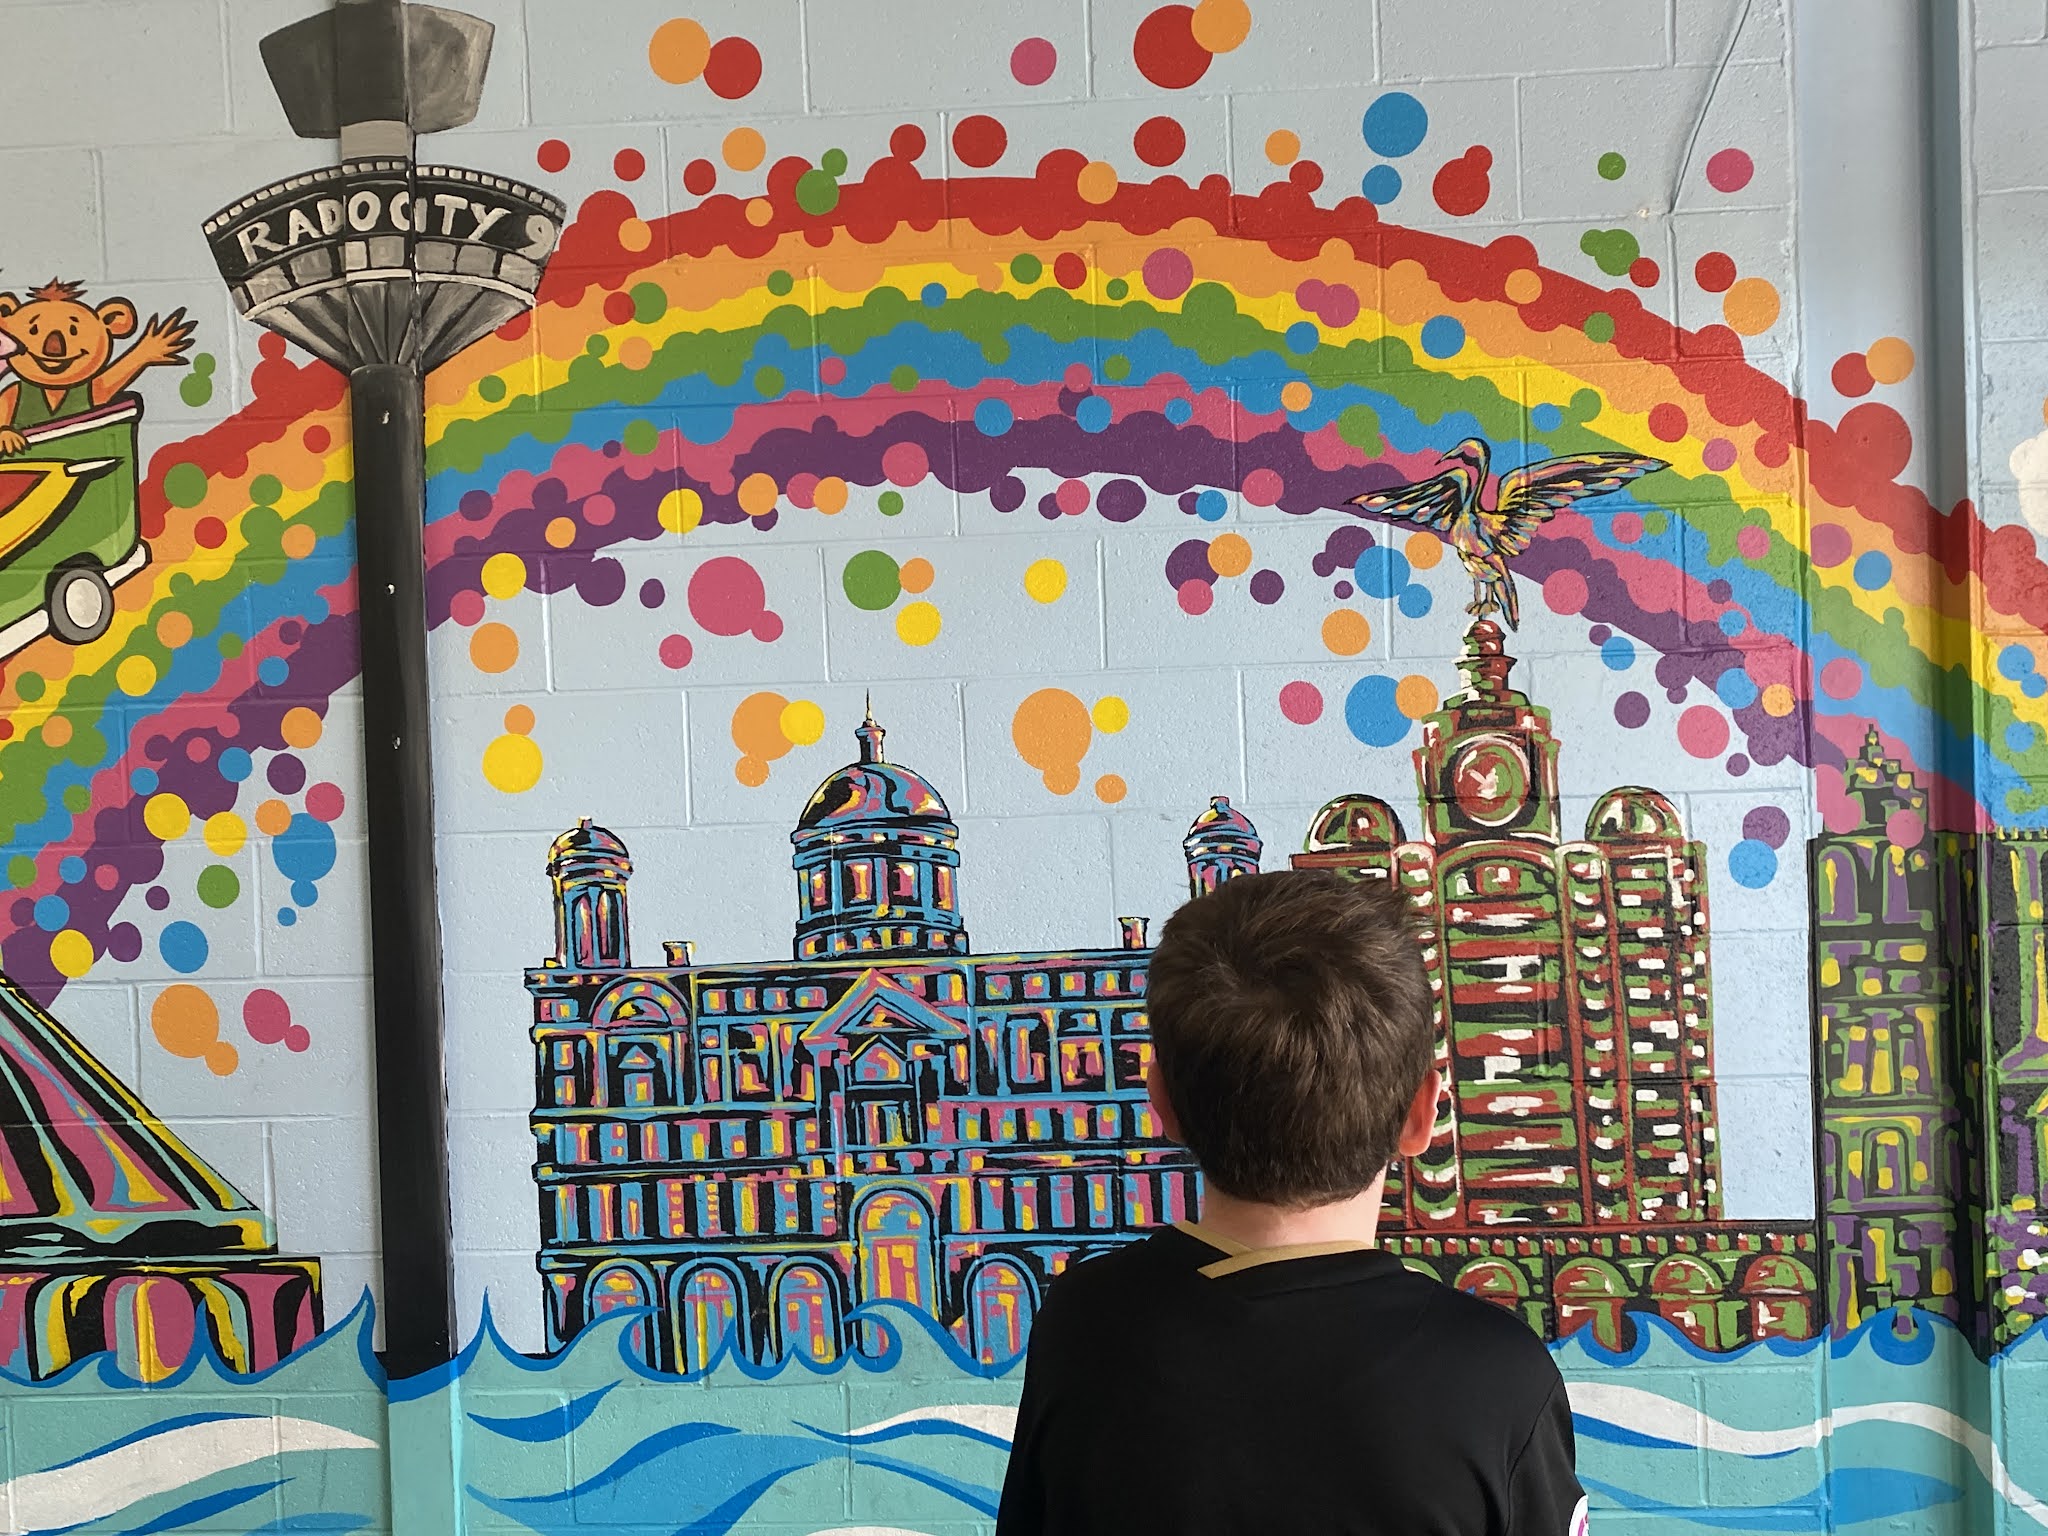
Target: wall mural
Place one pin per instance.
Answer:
(1007, 439)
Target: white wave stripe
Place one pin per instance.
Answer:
(867, 1530)
(108, 1483)
(1647, 1413)
(995, 1419)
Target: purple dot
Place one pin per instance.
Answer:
(1675, 695)
(1738, 765)
(1007, 494)
(1767, 824)
(1266, 587)
(124, 941)
(475, 505)
(1187, 504)
(1632, 710)
(1189, 562)
(24, 911)
(1049, 508)
(1120, 500)
(1600, 634)
(603, 582)
(291, 631)
(1719, 591)
(651, 593)
(157, 897)
(1829, 544)
(550, 495)
(1342, 591)
(287, 774)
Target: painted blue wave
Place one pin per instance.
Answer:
(1848, 1497)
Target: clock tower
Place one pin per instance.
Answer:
(1488, 763)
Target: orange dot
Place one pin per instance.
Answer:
(297, 541)
(1220, 25)
(759, 212)
(56, 731)
(743, 149)
(1230, 554)
(830, 496)
(272, 817)
(1779, 701)
(301, 727)
(1424, 551)
(561, 532)
(757, 494)
(174, 629)
(1110, 788)
(1415, 696)
(1345, 632)
(916, 574)
(494, 647)
(635, 353)
(679, 50)
(1523, 286)
(1097, 182)
(1295, 395)
(1890, 360)
(184, 1020)
(222, 1058)
(1283, 146)
(635, 235)
(751, 771)
(519, 719)
(1751, 306)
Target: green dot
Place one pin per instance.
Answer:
(779, 283)
(889, 503)
(492, 388)
(995, 351)
(219, 886)
(640, 438)
(1359, 425)
(598, 345)
(185, 485)
(1655, 522)
(903, 378)
(1612, 166)
(817, 192)
(265, 489)
(203, 365)
(1614, 251)
(872, 580)
(196, 390)
(768, 382)
(230, 646)
(77, 798)
(1600, 326)
(30, 686)
(1116, 366)
(1026, 268)
(1116, 289)
(834, 162)
(649, 302)
(21, 870)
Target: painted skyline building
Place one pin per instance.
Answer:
(2013, 879)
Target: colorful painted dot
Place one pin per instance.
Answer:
(1033, 61)
(1395, 125)
(1443, 336)
(1752, 864)
(1301, 703)
(1045, 581)
(1729, 170)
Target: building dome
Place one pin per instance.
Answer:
(584, 842)
(1221, 845)
(1354, 822)
(589, 867)
(1632, 812)
(872, 793)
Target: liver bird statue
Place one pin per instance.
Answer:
(1486, 537)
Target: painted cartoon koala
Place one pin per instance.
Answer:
(63, 359)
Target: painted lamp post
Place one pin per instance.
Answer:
(386, 268)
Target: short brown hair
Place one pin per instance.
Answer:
(1292, 1022)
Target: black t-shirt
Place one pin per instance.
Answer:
(1187, 1387)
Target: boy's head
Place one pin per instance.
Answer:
(1292, 1031)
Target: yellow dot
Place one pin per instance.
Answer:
(561, 532)
(512, 764)
(71, 953)
(1296, 395)
(519, 719)
(759, 212)
(1751, 306)
(504, 574)
(918, 624)
(635, 235)
(1283, 146)
(916, 575)
(757, 494)
(1523, 286)
(1045, 581)
(1110, 788)
(1890, 359)
(300, 727)
(225, 832)
(802, 722)
(681, 510)
(1097, 182)
(1110, 714)
(1345, 632)
(1424, 551)
(1220, 25)
(743, 148)
(136, 675)
(1779, 701)
(1230, 554)
(166, 817)
(1415, 696)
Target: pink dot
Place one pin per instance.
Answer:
(599, 510)
(832, 370)
(1072, 497)
(266, 1016)
(905, 463)
(324, 802)
(1565, 591)
(1033, 61)
(1753, 542)
(1301, 702)
(1729, 170)
(768, 627)
(726, 595)
(1628, 527)
(1196, 596)
(1841, 678)
(1339, 307)
(1168, 273)
(1718, 455)
(1262, 487)
(297, 1039)
(1077, 377)
(1904, 828)
(802, 489)
(1829, 544)
(107, 876)
(466, 608)
(675, 652)
(1703, 731)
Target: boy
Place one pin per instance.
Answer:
(1269, 1370)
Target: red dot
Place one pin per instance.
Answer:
(699, 177)
(1166, 51)
(271, 345)
(907, 142)
(1159, 141)
(629, 165)
(1069, 270)
(1851, 375)
(1667, 422)
(733, 69)
(317, 439)
(553, 156)
(979, 141)
(1462, 186)
(618, 308)
(1644, 272)
(1305, 174)
(1715, 272)
(209, 533)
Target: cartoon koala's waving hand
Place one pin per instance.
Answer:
(63, 354)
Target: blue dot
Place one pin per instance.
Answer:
(143, 781)
(1092, 413)
(1372, 714)
(1546, 418)
(1381, 185)
(305, 892)
(2034, 685)
(272, 671)
(933, 294)
(1442, 336)
(1873, 569)
(183, 947)
(1394, 125)
(1754, 864)
(1618, 652)
(1178, 410)
(303, 852)
(52, 913)
(1302, 336)
(2020, 737)
(1734, 622)
(236, 765)
(1381, 571)
(992, 418)
(1736, 688)
(1211, 505)
(286, 917)
(2015, 662)
(1415, 601)
(71, 869)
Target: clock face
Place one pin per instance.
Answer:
(1490, 780)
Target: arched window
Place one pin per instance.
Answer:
(1688, 1295)
(1494, 1280)
(707, 1309)
(806, 1313)
(1780, 1292)
(1590, 1294)
(617, 1288)
(895, 1249)
(999, 1308)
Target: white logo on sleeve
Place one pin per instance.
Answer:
(1581, 1524)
